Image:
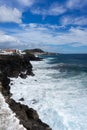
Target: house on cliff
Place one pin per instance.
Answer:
(11, 52)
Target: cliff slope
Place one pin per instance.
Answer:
(14, 66)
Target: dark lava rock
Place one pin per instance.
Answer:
(31, 57)
(28, 116)
(21, 99)
(13, 66)
(5, 83)
(11, 83)
(24, 76)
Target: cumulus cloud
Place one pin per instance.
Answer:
(8, 14)
(54, 10)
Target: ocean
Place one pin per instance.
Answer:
(58, 91)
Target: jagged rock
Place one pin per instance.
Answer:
(31, 56)
(30, 73)
(5, 83)
(28, 116)
(21, 99)
(13, 66)
(11, 83)
(23, 76)
(32, 114)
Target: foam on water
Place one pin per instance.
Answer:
(61, 102)
(8, 121)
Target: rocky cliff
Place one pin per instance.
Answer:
(14, 66)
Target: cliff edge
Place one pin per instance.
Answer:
(14, 66)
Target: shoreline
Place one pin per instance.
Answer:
(8, 120)
(27, 116)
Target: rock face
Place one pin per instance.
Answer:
(28, 117)
(31, 56)
(14, 66)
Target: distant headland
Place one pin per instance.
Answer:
(35, 51)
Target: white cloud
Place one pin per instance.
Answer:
(8, 41)
(20, 4)
(8, 14)
(68, 20)
(76, 36)
(54, 10)
(76, 4)
(81, 21)
(37, 35)
(26, 2)
(41, 27)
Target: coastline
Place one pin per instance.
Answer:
(55, 92)
(27, 116)
(8, 120)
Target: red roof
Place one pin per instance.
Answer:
(8, 50)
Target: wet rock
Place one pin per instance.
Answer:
(21, 99)
(32, 114)
(28, 116)
(24, 76)
(13, 66)
(5, 83)
(11, 83)
(31, 57)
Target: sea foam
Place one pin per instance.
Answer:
(61, 102)
(8, 121)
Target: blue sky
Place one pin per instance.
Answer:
(52, 25)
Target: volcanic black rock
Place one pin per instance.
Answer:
(14, 66)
